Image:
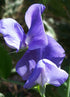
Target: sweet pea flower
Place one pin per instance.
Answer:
(43, 66)
(14, 35)
(46, 72)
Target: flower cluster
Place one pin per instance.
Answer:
(41, 63)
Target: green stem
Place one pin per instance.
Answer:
(68, 86)
(12, 81)
(21, 50)
(42, 91)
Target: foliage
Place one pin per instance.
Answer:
(59, 12)
(5, 63)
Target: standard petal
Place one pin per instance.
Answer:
(12, 32)
(36, 37)
(53, 51)
(52, 74)
(26, 63)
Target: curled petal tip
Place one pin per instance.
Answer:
(32, 12)
(36, 37)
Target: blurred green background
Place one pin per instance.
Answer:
(56, 19)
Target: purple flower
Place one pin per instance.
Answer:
(14, 35)
(46, 72)
(42, 66)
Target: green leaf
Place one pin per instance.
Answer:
(51, 91)
(5, 63)
(68, 84)
(62, 90)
